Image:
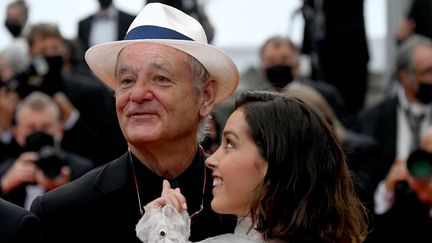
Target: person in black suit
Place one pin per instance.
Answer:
(335, 38)
(17, 225)
(166, 80)
(417, 21)
(40, 164)
(398, 121)
(107, 24)
(405, 199)
(87, 108)
(280, 66)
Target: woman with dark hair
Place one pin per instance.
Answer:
(282, 172)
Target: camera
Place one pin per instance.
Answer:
(50, 158)
(43, 74)
(419, 164)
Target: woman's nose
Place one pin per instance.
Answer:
(212, 162)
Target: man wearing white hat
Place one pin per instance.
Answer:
(166, 80)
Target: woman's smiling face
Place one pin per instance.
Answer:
(238, 168)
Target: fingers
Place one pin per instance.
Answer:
(165, 187)
(176, 199)
(173, 196)
(22, 171)
(51, 183)
(169, 196)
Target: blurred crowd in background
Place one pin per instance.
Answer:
(56, 115)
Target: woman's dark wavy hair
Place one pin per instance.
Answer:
(307, 193)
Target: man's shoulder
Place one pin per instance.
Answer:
(11, 211)
(381, 108)
(17, 223)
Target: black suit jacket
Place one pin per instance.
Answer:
(342, 50)
(84, 27)
(17, 225)
(102, 206)
(380, 121)
(407, 221)
(421, 13)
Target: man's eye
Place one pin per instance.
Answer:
(125, 82)
(161, 80)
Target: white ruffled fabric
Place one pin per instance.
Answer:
(166, 225)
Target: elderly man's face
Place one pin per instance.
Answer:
(423, 64)
(155, 96)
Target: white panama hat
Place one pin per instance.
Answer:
(162, 24)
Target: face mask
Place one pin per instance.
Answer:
(424, 94)
(279, 75)
(37, 140)
(105, 3)
(14, 27)
(53, 79)
(55, 64)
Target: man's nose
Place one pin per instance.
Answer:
(141, 92)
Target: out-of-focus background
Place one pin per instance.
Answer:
(241, 26)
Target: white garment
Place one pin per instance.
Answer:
(384, 198)
(32, 191)
(403, 135)
(166, 224)
(104, 27)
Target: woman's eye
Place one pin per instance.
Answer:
(228, 144)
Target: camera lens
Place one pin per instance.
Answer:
(50, 162)
(419, 164)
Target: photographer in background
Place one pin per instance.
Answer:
(42, 165)
(403, 201)
(87, 108)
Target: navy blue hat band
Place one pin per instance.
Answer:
(154, 32)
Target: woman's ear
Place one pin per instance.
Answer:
(208, 97)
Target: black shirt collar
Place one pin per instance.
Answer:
(190, 182)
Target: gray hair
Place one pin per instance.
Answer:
(405, 53)
(37, 101)
(16, 56)
(199, 75)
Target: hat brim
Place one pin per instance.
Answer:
(102, 59)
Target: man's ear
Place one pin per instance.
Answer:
(208, 97)
(407, 79)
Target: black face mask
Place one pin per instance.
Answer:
(279, 75)
(14, 27)
(55, 64)
(105, 3)
(424, 94)
(37, 140)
